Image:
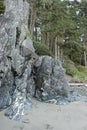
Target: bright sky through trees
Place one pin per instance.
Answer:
(73, 0)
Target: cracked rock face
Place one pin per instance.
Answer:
(49, 78)
(15, 46)
(51, 84)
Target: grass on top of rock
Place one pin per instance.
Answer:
(42, 49)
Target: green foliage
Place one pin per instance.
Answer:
(81, 68)
(82, 73)
(26, 35)
(70, 68)
(80, 76)
(66, 20)
(41, 49)
(70, 71)
(74, 51)
(78, 72)
(1, 6)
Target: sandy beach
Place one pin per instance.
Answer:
(49, 117)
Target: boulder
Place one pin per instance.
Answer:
(27, 48)
(49, 79)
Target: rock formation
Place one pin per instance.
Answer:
(15, 51)
(49, 79)
(20, 77)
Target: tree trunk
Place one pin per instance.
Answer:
(32, 21)
(56, 51)
(85, 59)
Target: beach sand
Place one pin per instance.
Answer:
(45, 116)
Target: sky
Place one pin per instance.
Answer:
(73, 0)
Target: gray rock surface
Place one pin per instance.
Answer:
(18, 106)
(27, 48)
(15, 46)
(5, 99)
(49, 79)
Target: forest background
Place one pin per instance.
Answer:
(59, 28)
